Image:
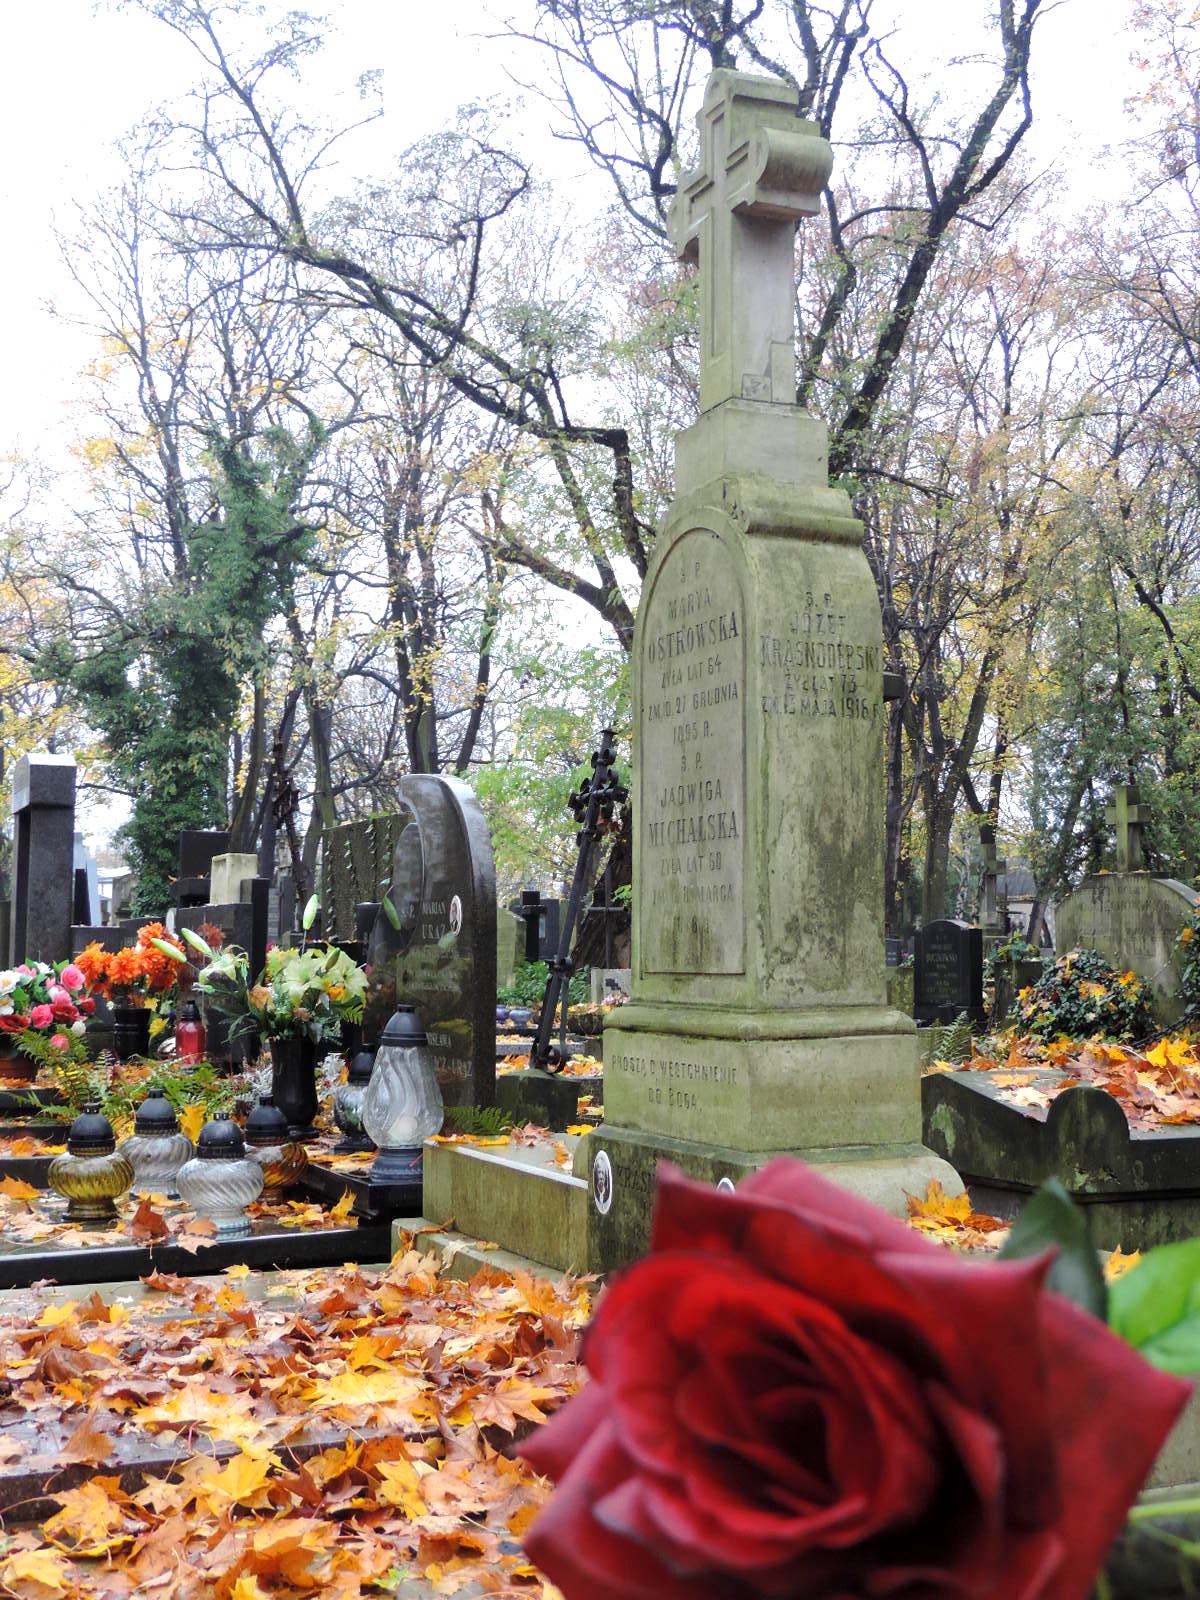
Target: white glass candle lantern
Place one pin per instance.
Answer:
(156, 1149)
(220, 1180)
(403, 1104)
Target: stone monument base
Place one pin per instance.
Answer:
(882, 1174)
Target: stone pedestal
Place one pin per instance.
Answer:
(228, 874)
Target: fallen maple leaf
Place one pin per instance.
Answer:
(87, 1445)
(147, 1224)
(18, 1189)
(33, 1574)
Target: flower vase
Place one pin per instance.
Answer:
(294, 1084)
(131, 1031)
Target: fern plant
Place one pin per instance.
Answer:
(485, 1122)
(950, 1041)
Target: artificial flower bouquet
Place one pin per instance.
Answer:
(39, 1001)
(302, 993)
(138, 975)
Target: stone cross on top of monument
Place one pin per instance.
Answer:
(763, 168)
(1128, 817)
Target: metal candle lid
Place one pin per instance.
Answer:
(362, 1066)
(404, 1027)
(91, 1133)
(220, 1141)
(266, 1124)
(156, 1115)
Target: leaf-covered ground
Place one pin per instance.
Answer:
(1158, 1085)
(339, 1433)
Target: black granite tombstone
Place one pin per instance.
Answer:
(197, 847)
(43, 805)
(243, 923)
(948, 972)
(433, 944)
(543, 921)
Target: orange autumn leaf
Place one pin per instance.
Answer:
(87, 1445)
(18, 1189)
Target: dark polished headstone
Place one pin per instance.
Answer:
(43, 805)
(434, 940)
(948, 972)
(543, 921)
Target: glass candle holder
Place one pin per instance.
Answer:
(282, 1159)
(191, 1038)
(157, 1148)
(348, 1104)
(221, 1180)
(94, 1174)
(403, 1105)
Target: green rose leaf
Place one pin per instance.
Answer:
(1155, 1307)
(1052, 1221)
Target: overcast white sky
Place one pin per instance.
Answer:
(74, 76)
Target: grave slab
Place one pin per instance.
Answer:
(513, 1196)
(1140, 1187)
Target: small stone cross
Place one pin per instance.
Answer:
(763, 168)
(1128, 817)
(993, 866)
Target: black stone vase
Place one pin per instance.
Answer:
(131, 1031)
(294, 1084)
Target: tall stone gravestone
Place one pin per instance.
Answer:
(43, 808)
(1133, 919)
(759, 1020)
(434, 939)
(948, 972)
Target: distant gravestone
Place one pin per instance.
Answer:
(948, 972)
(356, 862)
(510, 946)
(243, 922)
(1134, 921)
(542, 917)
(434, 940)
(197, 847)
(43, 808)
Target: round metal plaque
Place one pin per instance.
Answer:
(602, 1183)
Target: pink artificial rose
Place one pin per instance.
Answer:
(41, 1017)
(58, 995)
(59, 1041)
(26, 969)
(72, 978)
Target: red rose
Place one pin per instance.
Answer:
(64, 1011)
(13, 1023)
(795, 1395)
(87, 1005)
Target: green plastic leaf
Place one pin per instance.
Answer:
(1052, 1221)
(197, 943)
(310, 912)
(169, 950)
(1155, 1307)
(391, 913)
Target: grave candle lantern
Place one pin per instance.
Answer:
(282, 1159)
(157, 1148)
(348, 1103)
(221, 1180)
(190, 1037)
(93, 1174)
(403, 1105)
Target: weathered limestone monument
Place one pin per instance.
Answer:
(758, 1021)
(1131, 917)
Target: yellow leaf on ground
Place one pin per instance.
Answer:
(580, 1129)
(33, 1574)
(401, 1488)
(344, 1206)
(1119, 1263)
(18, 1189)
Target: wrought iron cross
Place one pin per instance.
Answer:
(762, 169)
(595, 806)
(1127, 816)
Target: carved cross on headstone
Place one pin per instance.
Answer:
(762, 169)
(1128, 817)
(990, 919)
